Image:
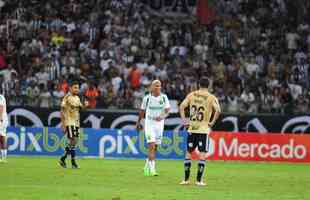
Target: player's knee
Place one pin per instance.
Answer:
(73, 141)
(188, 155)
(72, 146)
(202, 155)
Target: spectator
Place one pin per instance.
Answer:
(44, 97)
(135, 77)
(261, 47)
(3, 64)
(92, 94)
(248, 100)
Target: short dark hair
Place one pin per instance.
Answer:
(204, 82)
(74, 83)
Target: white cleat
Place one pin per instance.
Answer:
(184, 182)
(201, 183)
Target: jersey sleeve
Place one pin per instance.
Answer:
(144, 102)
(186, 101)
(167, 103)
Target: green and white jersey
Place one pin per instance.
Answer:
(154, 106)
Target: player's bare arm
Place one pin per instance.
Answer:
(141, 116)
(1, 113)
(62, 118)
(182, 108)
(84, 105)
(217, 112)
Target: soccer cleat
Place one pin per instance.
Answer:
(201, 183)
(74, 165)
(62, 163)
(146, 171)
(184, 182)
(154, 173)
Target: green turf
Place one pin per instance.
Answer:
(40, 178)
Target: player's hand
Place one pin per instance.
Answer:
(138, 126)
(86, 103)
(211, 125)
(63, 128)
(158, 119)
(185, 123)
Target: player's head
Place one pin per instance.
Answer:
(204, 82)
(75, 88)
(156, 87)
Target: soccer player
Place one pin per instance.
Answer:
(70, 122)
(204, 110)
(3, 126)
(155, 107)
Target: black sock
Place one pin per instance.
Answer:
(72, 151)
(67, 152)
(201, 169)
(187, 168)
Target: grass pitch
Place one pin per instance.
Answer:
(32, 178)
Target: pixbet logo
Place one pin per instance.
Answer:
(238, 149)
(132, 143)
(40, 140)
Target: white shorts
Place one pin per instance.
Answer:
(2, 131)
(154, 132)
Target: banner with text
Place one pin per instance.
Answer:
(116, 143)
(260, 147)
(39, 117)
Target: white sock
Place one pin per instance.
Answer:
(5, 152)
(2, 154)
(146, 163)
(152, 165)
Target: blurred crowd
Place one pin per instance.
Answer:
(256, 53)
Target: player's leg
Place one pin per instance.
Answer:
(3, 145)
(150, 139)
(158, 139)
(191, 145)
(67, 152)
(203, 148)
(151, 157)
(73, 143)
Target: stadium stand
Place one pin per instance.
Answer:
(256, 53)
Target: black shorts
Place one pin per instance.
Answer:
(72, 131)
(195, 140)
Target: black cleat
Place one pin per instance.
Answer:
(74, 165)
(62, 163)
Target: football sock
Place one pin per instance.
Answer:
(146, 164)
(67, 151)
(72, 151)
(187, 169)
(201, 168)
(152, 165)
(4, 153)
